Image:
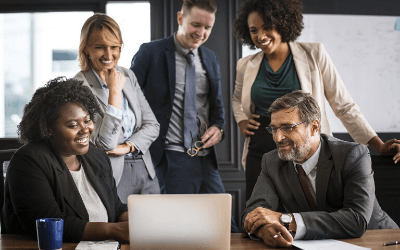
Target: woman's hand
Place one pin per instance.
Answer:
(121, 149)
(120, 231)
(107, 231)
(115, 82)
(390, 147)
(246, 126)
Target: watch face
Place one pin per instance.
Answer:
(286, 218)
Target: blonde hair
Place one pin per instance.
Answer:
(97, 22)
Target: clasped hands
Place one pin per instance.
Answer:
(265, 224)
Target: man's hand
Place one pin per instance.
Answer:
(246, 126)
(211, 137)
(259, 217)
(265, 224)
(275, 235)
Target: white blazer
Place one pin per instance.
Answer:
(317, 76)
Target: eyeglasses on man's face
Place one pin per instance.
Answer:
(284, 128)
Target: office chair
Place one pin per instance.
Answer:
(5, 155)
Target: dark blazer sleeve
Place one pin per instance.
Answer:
(219, 105)
(211, 63)
(140, 64)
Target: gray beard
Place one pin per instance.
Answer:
(296, 153)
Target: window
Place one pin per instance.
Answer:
(34, 48)
(37, 47)
(133, 19)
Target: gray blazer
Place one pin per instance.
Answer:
(345, 192)
(109, 130)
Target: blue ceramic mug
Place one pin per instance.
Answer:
(50, 233)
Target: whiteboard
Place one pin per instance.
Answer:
(366, 52)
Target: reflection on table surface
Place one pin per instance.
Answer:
(373, 239)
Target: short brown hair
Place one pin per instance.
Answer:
(207, 5)
(308, 107)
(102, 22)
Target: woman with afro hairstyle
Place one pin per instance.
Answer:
(58, 173)
(281, 67)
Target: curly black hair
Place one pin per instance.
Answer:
(43, 110)
(283, 15)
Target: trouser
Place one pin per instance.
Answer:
(136, 180)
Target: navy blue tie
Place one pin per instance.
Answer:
(189, 119)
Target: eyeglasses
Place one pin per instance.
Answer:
(197, 145)
(285, 128)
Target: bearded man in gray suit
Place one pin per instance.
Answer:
(313, 186)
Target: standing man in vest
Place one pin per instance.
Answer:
(181, 82)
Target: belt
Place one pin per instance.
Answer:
(179, 148)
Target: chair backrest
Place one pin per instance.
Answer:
(5, 155)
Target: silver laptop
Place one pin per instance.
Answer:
(180, 221)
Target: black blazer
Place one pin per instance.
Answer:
(39, 185)
(345, 192)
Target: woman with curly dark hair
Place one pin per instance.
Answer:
(58, 173)
(281, 67)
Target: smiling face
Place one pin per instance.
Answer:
(104, 50)
(71, 132)
(297, 145)
(269, 41)
(194, 27)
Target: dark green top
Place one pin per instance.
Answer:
(269, 85)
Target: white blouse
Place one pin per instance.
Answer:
(94, 206)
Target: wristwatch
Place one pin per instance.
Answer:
(286, 219)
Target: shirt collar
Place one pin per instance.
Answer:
(182, 50)
(103, 85)
(311, 163)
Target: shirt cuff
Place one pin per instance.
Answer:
(301, 229)
(111, 110)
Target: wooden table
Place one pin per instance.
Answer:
(373, 239)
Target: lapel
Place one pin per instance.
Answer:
(70, 191)
(95, 177)
(170, 56)
(208, 65)
(293, 182)
(130, 95)
(250, 74)
(94, 84)
(302, 67)
(324, 168)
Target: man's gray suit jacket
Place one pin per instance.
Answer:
(345, 192)
(109, 130)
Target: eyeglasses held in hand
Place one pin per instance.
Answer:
(284, 128)
(197, 145)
